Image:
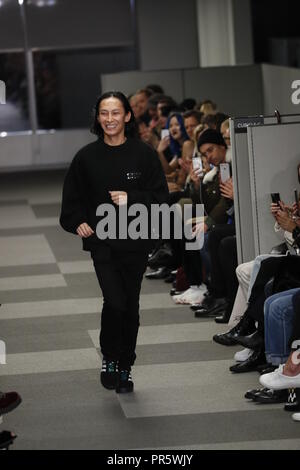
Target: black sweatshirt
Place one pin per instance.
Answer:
(133, 167)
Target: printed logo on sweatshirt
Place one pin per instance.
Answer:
(133, 175)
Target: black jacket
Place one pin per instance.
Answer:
(98, 168)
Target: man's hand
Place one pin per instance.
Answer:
(285, 222)
(119, 197)
(84, 230)
(227, 189)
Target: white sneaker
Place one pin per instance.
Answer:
(278, 381)
(296, 416)
(243, 355)
(193, 295)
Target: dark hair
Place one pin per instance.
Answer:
(188, 104)
(130, 127)
(220, 118)
(193, 113)
(174, 145)
(144, 91)
(155, 88)
(210, 120)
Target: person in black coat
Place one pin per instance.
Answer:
(107, 176)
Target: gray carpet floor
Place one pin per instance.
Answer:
(185, 397)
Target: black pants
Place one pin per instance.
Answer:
(223, 256)
(120, 279)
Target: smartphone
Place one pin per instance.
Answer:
(296, 201)
(197, 163)
(164, 133)
(224, 172)
(275, 198)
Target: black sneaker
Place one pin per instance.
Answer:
(109, 374)
(125, 384)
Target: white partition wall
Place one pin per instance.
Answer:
(242, 180)
(274, 152)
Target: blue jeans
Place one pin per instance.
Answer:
(279, 313)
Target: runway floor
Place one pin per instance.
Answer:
(185, 397)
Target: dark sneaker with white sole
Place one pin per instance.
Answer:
(109, 374)
(125, 383)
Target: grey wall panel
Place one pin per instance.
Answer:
(129, 82)
(237, 90)
(167, 32)
(242, 184)
(16, 150)
(80, 23)
(274, 152)
(277, 89)
(11, 32)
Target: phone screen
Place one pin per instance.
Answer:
(197, 163)
(275, 198)
(224, 172)
(165, 133)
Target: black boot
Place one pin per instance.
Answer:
(245, 326)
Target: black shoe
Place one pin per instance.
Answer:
(250, 394)
(262, 367)
(254, 342)
(109, 374)
(271, 396)
(160, 273)
(258, 357)
(162, 257)
(204, 313)
(267, 369)
(9, 401)
(207, 302)
(244, 327)
(224, 318)
(6, 439)
(125, 383)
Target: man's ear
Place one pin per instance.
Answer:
(128, 117)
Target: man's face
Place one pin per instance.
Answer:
(190, 123)
(141, 103)
(112, 117)
(214, 153)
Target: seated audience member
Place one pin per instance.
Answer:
(214, 121)
(213, 147)
(207, 107)
(133, 103)
(146, 133)
(223, 262)
(172, 143)
(141, 97)
(262, 270)
(282, 334)
(225, 131)
(152, 112)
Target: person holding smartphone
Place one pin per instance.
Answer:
(117, 170)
